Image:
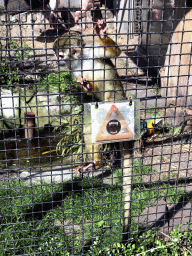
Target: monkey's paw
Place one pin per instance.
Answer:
(89, 168)
(85, 84)
(101, 28)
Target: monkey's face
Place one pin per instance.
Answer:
(69, 56)
(62, 58)
(68, 48)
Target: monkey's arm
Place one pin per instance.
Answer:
(109, 48)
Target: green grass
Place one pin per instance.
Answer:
(141, 170)
(31, 232)
(150, 243)
(61, 219)
(61, 82)
(9, 74)
(152, 111)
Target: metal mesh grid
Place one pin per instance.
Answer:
(139, 191)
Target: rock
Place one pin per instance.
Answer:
(9, 103)
(176, 75)
(48, 176)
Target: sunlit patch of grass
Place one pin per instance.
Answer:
(63, 219)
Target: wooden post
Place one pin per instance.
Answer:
(127, 165)
(29, 124)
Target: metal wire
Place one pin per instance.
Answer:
(50, 206)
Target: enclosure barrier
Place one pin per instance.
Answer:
(95, 127)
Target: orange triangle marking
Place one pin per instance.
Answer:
(101, 135)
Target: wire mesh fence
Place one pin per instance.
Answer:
(65, 69)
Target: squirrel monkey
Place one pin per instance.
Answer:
(94, 71)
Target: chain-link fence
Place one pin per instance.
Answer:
(95, 127)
